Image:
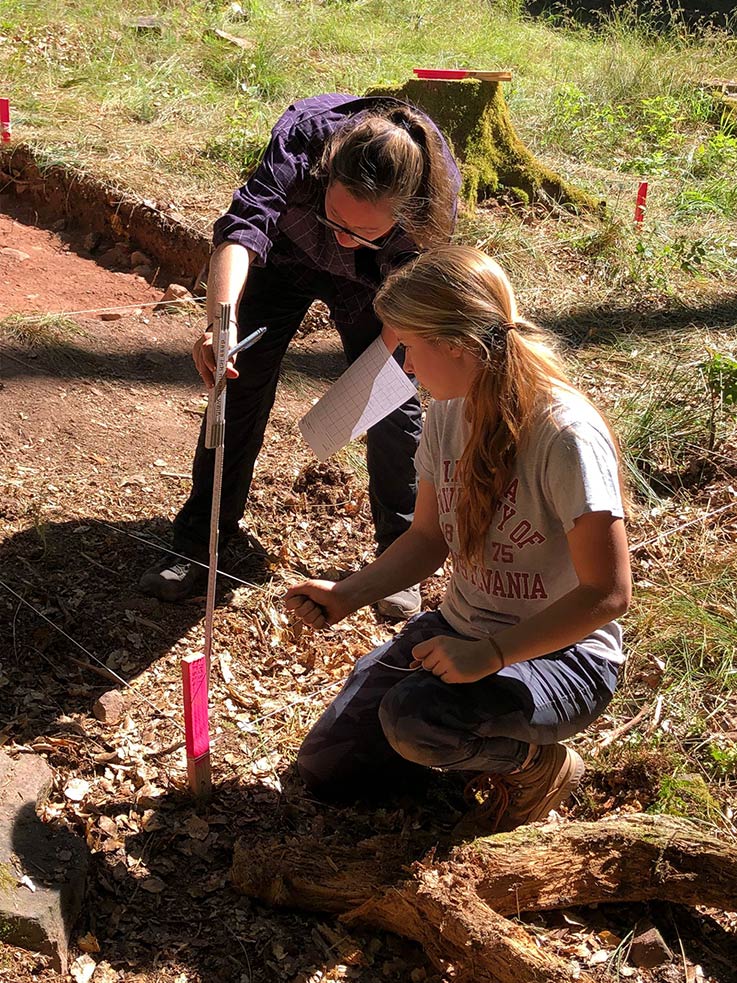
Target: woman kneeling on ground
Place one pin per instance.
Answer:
(519, 483)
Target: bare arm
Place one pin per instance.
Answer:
(410, 559)
(598, 545)
(226, 280)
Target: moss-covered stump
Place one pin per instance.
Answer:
(458, 908)
(473, 115)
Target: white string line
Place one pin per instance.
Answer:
(198, 300)
(94, 658)
(189, 559)
(684, 525)
(124, 307)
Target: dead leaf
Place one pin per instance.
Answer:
(154, 885)
(197, 828)
(83, 968)
(76, 789)
(88, 943)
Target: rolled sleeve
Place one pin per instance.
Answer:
(582, 475)
(257, 207)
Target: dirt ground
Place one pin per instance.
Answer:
(96, 433)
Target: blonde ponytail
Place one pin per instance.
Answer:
(459, 294)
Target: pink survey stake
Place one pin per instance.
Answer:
(196, 721)
(5, 120)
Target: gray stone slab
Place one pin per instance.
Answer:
(53, 858)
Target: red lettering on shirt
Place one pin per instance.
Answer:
(446, 498)
(450, 470)
(520, 531)
(507, 513)
(519, 585)
(511, 492)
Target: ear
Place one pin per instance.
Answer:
(451, 348)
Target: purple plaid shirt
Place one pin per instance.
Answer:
(273, 214)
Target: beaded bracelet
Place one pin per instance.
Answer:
(495, 645)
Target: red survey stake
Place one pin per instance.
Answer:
(641, 201)
(5, 120)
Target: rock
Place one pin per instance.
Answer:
(139, 259)
(51, 858)
(91, 241)
(109, 707)
(59, 225)
(143, 271)
(14, 254)
(174, 292)
(648, 949)
(116, 256)
(111, 316)
(148, 24)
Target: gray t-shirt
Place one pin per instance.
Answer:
(568, 468)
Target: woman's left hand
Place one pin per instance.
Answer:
(457, 660)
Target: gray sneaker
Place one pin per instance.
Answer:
(174, 579)
(402, 605)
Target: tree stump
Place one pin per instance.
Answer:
(474, 117)
(457, 908)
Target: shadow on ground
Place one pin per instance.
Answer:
(584, 326)
(81, 578)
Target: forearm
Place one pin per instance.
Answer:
(227, 277)
(565, 622)
(410, 559)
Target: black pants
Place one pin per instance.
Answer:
(271, 298)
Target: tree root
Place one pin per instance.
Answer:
(458, 907)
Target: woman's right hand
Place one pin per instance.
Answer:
(319, 603)
(205, 359)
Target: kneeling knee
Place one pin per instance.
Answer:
(410, 735)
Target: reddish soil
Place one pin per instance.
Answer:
(96, 433)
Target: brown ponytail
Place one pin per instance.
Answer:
(395, 153)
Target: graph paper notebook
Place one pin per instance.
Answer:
(368, 391)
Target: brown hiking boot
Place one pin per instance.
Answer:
(500, 803)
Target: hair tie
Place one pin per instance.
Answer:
(402, 122)
(509, 326)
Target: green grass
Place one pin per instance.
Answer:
(39, 331)
(186, 109)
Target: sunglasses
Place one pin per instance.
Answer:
(368, 243)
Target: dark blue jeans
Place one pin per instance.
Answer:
(386, 723)
(271, 298)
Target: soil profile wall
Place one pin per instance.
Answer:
(59, 193)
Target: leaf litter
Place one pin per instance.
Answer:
(159, 905)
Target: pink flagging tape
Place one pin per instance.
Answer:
(196, 719)
(5, 120)
(641, 200)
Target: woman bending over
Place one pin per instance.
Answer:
(519, 485)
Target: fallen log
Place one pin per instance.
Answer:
(457, 906)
